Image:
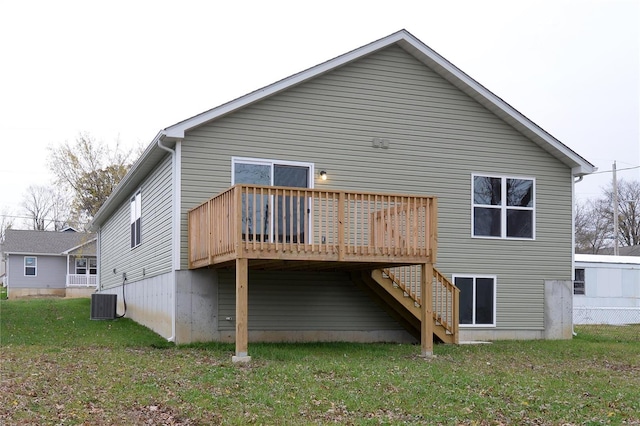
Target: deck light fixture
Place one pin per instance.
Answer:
(323, 175)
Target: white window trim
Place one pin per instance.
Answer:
(86, 268)
(35, 266)
(89, 268)
(270, 162)
(136, 199)
(495, 298)
(503, 208)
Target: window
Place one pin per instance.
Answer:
(136, 212)
(93, 266)
(30, 266)
(477, 303)
(291, 221)
(578, 283)
(81, 266)
(503, 207)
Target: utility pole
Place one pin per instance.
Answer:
(615, 211)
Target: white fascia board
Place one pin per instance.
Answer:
(30, 253)
(128, 180)
(582, 171)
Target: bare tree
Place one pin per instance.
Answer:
(628, 210)
(61, 215)
(6, 222)
(593, 226)
(37, 204)
(90, 170)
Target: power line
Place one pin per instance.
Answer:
(618, 170)
(44, 218)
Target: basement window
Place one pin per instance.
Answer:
(477, 303)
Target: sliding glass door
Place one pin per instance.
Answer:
(281, 217)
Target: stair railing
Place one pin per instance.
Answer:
(445, 294)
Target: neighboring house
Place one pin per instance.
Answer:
(2, 265)
(622, 251)
(46, 263)
(391, 117)
(606, 289)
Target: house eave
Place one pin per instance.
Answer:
(30, 253)
(153, 154)
(495, 104)
(430, 58)
(131, 181)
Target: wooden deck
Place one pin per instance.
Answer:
(278, 228)
(313, 226)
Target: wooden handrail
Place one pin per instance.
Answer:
(311, 224)
(445, 294)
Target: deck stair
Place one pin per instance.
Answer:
(398, 291)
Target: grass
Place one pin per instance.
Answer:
(59, 367)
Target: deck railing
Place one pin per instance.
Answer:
(81, 280)
(270, 222)
(445, 293)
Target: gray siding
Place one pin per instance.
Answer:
(294, 301)
(51, 272)
(153, 256)
(438, 138)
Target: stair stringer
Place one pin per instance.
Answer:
(408, 303)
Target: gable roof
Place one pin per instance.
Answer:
(156, 151)
(44, 242)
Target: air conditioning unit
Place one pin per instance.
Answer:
(103, 306)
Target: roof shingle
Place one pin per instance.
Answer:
(43, 242)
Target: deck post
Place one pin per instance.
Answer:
(426, 310)
(341, 224)
(242, 311)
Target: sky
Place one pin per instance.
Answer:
(123, 70)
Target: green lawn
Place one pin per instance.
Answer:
(59, 367)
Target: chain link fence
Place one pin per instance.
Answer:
(610, 323)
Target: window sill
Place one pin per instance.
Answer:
(482, 237)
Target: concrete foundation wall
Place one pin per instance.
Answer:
(79, 292)
(17, 293)
(558, 309)
(197, 306)
(149, 302)
(472, 335)
(358, 336)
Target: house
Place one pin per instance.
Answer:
(622, 251)
(323, 206)
(606, 289)
(46, 263)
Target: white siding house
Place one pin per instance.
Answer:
(606, 289)
(390, 122)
